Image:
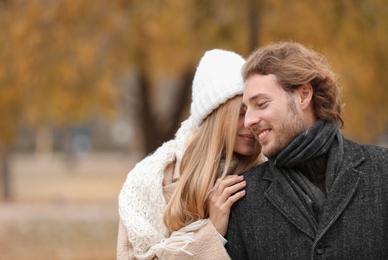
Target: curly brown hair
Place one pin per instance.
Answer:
(295, 65)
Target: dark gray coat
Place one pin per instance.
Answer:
(265, 224)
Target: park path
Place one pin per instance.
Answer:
(45, 187)
(105, 211)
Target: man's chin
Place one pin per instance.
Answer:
(270, 153)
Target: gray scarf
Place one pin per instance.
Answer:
(322, 138)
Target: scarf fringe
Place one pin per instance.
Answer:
(179, 239)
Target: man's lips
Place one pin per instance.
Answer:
(262, 134)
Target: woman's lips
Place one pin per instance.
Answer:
(248, 137)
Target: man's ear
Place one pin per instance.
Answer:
(305, 95)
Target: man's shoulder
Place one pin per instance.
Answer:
(258, 181)
(373, 158)
(370, 152)
(257, 172)
(375, 150)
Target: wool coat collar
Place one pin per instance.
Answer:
(342, 190)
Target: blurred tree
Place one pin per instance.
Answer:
(362, 53)
(61, 60)
(166, 40)
(352, 35)
(52, 71)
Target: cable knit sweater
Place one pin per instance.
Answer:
(144, 195)
(206, 243)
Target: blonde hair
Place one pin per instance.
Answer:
(201, 165)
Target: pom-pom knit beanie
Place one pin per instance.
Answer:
(217, 79)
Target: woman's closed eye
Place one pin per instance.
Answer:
(242, 113)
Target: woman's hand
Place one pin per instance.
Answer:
(225, 193)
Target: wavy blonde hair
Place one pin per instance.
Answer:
(208, 156)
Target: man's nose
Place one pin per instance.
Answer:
(251, 118)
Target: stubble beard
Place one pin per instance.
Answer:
(287, 131)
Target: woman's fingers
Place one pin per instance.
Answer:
(230, 180)
(235, 197)
(225, 193)
(230, 186)
(228, 190)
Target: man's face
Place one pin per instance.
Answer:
(271, 113)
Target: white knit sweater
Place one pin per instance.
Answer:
(141, 200)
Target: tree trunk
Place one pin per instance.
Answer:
(5, 175)
(147, 121)
(183, 101)
(154, 136)
(254, 24)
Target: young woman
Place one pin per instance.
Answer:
(175, 203)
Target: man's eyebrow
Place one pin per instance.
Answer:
(255, 97)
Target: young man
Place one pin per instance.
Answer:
(319, 196)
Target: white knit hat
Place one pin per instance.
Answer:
(217, 79)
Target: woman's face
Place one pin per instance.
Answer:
(245, 143)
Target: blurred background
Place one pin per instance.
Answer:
(89, 87)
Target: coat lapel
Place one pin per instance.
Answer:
(342, 189)
(276, 195)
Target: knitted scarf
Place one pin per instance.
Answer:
(322, 138)
(141, 199)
